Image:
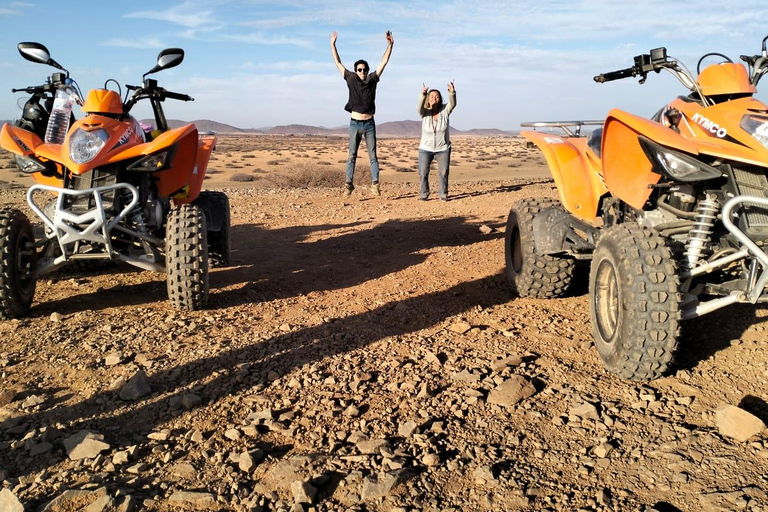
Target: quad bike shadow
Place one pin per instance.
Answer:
(670, 212)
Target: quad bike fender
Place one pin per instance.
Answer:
(25, 143)
(575, 171)
(626, 168)
(205, 146)
(18, 141)
(179, 178)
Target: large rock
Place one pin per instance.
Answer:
(303, 492)
(372, 447)
(737, 423)
(136, 387)
(193, 500)
(381, 484)
(84, 445)
(75, 500)
(7, 396)
(511, 391)
(584, 411)
(9, 502)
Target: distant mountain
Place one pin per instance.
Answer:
(205, 125)
(488, 132)
(298, 129)
(389, 129)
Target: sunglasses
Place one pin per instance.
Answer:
(362, 70)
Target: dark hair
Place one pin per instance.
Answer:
(426, 100)
(365, 63)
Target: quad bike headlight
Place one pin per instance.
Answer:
(84, 146)
(155, 162)
(757, 127)
(676, 165)
(29, 164)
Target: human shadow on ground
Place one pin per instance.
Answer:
(291, 261)
(496, 190)
(298, 260)
(217, 377)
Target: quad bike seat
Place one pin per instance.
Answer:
(595, 141)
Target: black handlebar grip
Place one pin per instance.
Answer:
(615, 75)
(177, 96)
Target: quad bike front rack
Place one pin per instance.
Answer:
(69, 228)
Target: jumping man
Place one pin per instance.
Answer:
(362, 105)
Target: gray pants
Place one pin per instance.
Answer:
(443, 167)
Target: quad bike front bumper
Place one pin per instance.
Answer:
(71, 230)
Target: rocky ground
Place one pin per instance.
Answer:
(366, 356)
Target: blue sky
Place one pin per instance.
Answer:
(255, 63)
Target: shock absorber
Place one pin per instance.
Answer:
(700, 233)
(135, 217)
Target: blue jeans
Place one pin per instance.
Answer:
(358, 130)
(443, 167)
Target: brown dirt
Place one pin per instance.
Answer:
(345, 320)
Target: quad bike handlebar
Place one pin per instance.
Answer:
(757, 65)
(656, 60)
(615, 75)
(151, 91)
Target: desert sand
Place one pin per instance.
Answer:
(361, 354)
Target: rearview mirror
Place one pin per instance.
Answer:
(38, 54)
(168, 58)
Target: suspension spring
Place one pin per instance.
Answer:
(135, 217)
(700, 233)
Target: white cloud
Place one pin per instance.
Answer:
(266, 39)
(187, 15)
(139, 43)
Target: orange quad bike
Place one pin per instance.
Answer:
(106, 189)
(672, 211)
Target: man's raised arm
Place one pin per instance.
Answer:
(335, 53)
(387, 53)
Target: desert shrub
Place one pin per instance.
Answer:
(249, 156)
(482, 166)
(241, 177)
(323, 162)
(514, 164)
(274, 162)
(313, 175)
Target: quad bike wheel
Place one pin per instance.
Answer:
(17, 258)
(534, 275)
(634, 302)
(215, 205)
(186, 257)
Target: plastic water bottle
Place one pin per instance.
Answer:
(58, 122)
